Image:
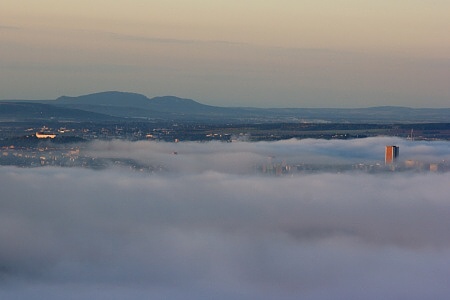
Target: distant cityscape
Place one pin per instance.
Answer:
(65, 146)
(56, 132)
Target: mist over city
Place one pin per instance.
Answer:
(225, 149)
(242, 157)
(213, 226)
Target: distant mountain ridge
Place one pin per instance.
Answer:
(125, 99)
(112, 98)
(112, 105)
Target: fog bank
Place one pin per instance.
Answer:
(212, 234)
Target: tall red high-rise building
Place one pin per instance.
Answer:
(391, 154)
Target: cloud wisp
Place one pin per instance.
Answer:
(6, 27)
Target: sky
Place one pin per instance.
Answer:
(283, 53)
(118, 234)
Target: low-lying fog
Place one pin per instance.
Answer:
(242, 157)
(211, 231)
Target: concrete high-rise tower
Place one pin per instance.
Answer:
(391, 154)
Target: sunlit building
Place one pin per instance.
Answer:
(43, 135)
(391, 154)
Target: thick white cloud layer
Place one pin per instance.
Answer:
(219, 233)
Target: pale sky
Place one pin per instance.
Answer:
(283, 53)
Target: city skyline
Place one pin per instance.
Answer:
(276, 54)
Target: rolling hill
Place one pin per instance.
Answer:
(114, 105)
